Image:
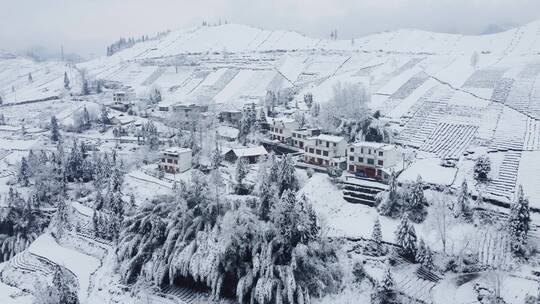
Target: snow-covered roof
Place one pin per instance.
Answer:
(330, 138)
(374, 145)
(226, 131)
(176, 150)
(251, 151)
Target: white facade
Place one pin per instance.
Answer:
(301, 136)
(325, 150)
(372, 160)
(175, 160)
(282, 128)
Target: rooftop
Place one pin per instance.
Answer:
(176, 150)
(250, 151)
(330, 138)
(374, 145)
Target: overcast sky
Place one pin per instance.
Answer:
(87, 26)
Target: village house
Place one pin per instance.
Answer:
(187, 115)
(175, 160)
(230, 117)
(372, 160)
(250, 154)
(325, 150)
(120, 97)
(301, 136)
(281, 128)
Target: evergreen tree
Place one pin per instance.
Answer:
(385, 292)
(462, 206)
(417, 204)
(241, 170)
(216, 155)
(376, 237)
(519, 223)
(55, 133)
(85, 90)
(427, 261)
(391, 205)
(62, 220)
(65, 293)
(421, 252)
(66, 81)
(24, 173)
(288, 179)
(406, 238)
(104, 116)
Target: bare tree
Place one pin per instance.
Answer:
(440, 218)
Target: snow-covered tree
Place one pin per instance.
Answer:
(376, 237)
(349, 103)
(385, 292)
(462, 206)
(241, 170)
(417, 204)
(308, 99)
(482, 167)
(406, 238)
(104, 117)
(66, 292)
(24, 175)
(519, 223)
(55, 132)
(154, 95)
(391, 203)
(287, 175)
(66, 81)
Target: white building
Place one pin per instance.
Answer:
(325, 150)
(372, 160)
(282, 128)
(175, 160)
(301, 136)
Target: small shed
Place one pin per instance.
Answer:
(250, 154)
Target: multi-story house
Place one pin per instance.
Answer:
(187, 115)
(175, 160)
(372, 160)
(282, 128)
(300, 136)
(325, 150)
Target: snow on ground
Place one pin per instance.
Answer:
(80, 264)
(342, 217)
(529, 176)
(431, 172)
(12, 295)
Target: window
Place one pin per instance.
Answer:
(362, 150)
(351, 168)
(318, 152)
(351, 158)
(176, 161)
(169, 160)
(335, 144)
(370, 161)
(280, 131)
(380, 162)
(380, 153)
(325, 153)
(327, 144)
(369, 151)
(311, 150)
(352, 149)
(326, 162)
(163, 160)
(360, 159)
